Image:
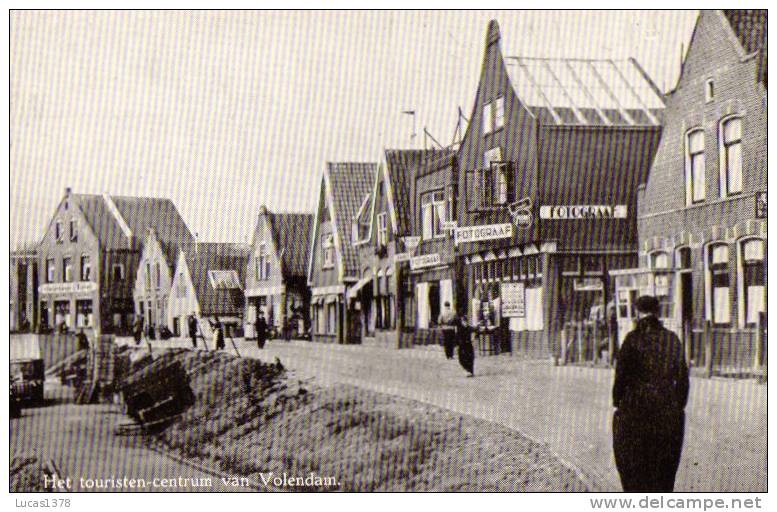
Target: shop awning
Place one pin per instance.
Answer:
(360, 284)
(330, 299)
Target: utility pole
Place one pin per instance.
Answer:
(413, 133)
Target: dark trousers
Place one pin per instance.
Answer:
(449, 342)
(647, 449)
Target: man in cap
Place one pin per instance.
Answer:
(447, 321)
(649, 394)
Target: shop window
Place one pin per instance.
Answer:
(753, 289)
(73, 230)
(58, 231)
(731, 156)
(62, 313)
(328, 251)
(51, 268)
(382, 219)
(117, 272)
(433, 214)
(177, 326)
(718, 277)
(86, 268)
(84, 316)
(695, 184)
(67, 269)
(659, 260)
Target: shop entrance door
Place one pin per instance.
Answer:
(686, 313)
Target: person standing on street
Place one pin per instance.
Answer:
(218, 331)
(447, 321)
(193, 330)
(466, 350)
(650, 393)
(261, 330)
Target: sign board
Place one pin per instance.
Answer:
(521, 213)
(584, 211)
(588, 284)
(479, 233)
(513, 297)
(79, 287)
(449, 225)
(411, 242)
(401, 257)
(760, 205)
(427, 260)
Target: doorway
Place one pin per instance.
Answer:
(686, 314)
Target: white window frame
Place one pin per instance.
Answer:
(741, 290)
(67, 269)
(262, 262)
(51, 270)
(693, 193)
(724, 148)
(653, 260)
(499, 113)
(493, 115)
(709, 302)
(327, 250)
(157, 275)
(88, 267)
(382, 221)
(709, 90)
(59, 232)
(488, 118)
(433, 214)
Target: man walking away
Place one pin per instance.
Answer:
(649, 394)
(261, 330)
(193, 330)
(218, 331)
(466, 350)
(447, 321)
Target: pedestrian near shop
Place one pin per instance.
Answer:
(447, 322)
(218, 334)
(83, 341)
(193, 330)
(466, 350)
(137, 331)
(650, 393)
(261, 330)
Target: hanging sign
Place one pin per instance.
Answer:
(401, 257)
(479, 233)
(588, 284)
(411, 242)
(521, 213)
(513, 297)
(760, 205)
(448, 225)
(584, 211)
(427, 260)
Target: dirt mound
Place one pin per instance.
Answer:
(27, 474)
(254, 420)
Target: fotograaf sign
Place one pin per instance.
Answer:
(427, 260)
(480, 233)
(583, 211)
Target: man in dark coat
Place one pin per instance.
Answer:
(261, 330)
(650, 394)
(193, 330)
(466, 350)
(218, 331)
(447, 321)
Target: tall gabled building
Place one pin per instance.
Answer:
(547, 186)
(702, 213)
(276, 277)
(333, 261)
(89, 254)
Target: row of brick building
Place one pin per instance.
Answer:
(577, 186)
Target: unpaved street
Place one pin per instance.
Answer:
(569, 408)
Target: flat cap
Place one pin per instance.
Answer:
(647, 304)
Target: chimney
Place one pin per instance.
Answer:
(68, 191)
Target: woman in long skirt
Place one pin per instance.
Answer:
(466, 351)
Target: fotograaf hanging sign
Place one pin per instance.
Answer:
(584, 211)
(760, 205)
(427, 260)
(78, 287)
(479, 233)
(513, 300)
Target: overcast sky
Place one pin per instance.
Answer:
(225, 111)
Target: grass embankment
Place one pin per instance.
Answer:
(252, 418)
